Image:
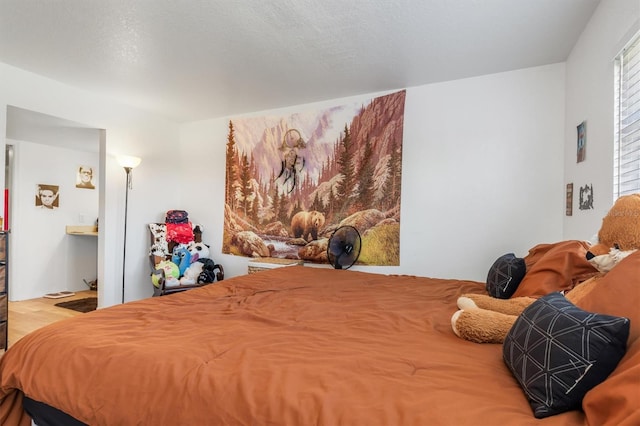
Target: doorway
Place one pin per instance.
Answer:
(50, 151)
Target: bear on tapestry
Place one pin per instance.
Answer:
(292, 180)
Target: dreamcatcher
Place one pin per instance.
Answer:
(292, 163)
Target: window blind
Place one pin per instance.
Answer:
(626, 175)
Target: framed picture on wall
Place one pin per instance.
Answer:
(569, 205)
(84, 178)
(582, 142)
(586, 197)
(47, 196)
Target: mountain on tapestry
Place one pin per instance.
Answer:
(293, 180)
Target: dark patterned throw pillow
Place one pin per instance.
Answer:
(505, 275)
(558, 352)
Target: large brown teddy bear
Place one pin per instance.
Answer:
(304, 224)
(620, 227)
(484, 319)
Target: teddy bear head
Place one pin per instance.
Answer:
(620, 227)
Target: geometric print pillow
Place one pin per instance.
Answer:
(558, 352)
(504, 276)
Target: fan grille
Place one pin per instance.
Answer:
(344, 246)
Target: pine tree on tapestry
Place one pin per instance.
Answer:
(365, 178)
(282, 210)
(397, 176)
(230, 168)
(316, 204)
(345, 164)
(245, 188)
(330, 206)
(392, 183)
(255, 217)
(275, 203)
(296, 209)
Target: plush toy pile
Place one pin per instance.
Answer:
(488, 318)
(179, 256)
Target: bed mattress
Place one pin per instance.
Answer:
(288, 346)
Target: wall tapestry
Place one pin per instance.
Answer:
(293, 180)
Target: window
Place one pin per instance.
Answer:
(626, 174)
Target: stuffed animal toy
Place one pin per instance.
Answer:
(192, 273)
(200, 263)
(171, 274)
(211, 271)
(198, 251)
(182, 258)
(484, 319)
(620, 227)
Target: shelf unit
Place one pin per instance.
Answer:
(90, 231)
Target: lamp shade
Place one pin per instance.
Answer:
(129, 161)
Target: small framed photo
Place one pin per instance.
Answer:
(582, 142)
(84, 178)
(47, 196)
(569, 204)
(586, 197)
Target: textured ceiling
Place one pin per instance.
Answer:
(198, 59)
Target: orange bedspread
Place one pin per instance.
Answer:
(289, 346)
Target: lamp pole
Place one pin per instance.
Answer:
(124, 248)
(127, 162)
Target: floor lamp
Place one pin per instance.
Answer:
(129, 163)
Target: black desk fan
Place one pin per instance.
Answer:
(344, 246)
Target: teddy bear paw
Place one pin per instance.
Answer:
(454, 320)
(466, 303)
(481, 326)
(464, 324)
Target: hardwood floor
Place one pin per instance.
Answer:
(26, 316)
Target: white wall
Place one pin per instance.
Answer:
(56, 261)
(126, 131)
(482, 172)
(486, 161)
(590, 97)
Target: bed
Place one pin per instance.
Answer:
(289, 346)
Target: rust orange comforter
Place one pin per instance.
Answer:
(289, 346)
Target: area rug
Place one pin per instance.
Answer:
(81, 305)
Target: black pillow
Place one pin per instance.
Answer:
(558, 352)
(505, 275)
